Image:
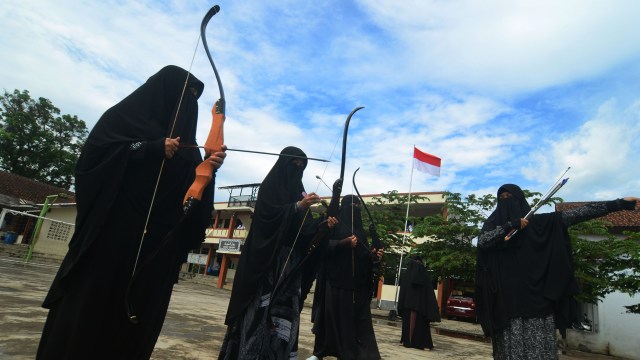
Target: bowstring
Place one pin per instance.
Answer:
(155, 189)
(286, 262)
(353, 261)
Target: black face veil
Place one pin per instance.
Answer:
(511, 209)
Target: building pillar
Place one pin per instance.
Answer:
(206, 269)
(215, 219)
(223, 270)
(232, 223)
(444, 288)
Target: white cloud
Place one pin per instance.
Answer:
(510, 46)
(603, 155)
(502, 91)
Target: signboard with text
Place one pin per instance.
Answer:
(229, 246)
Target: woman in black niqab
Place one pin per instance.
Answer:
(417, 305)
(280, 230)
(115, 179)
(525, 285)
(342, 299)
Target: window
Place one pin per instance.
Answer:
(588, 318)
(58, 231)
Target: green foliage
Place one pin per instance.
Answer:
(451, 254)
(36, 141)
(604, 266)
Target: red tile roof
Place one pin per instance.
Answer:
(33, 191)
(622, 220)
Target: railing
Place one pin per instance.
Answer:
(222, 233)
(240, 233)
(242, 201)
(217, 232)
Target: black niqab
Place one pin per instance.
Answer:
(510, 209)
(274, 224)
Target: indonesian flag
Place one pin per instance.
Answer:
(426, 162)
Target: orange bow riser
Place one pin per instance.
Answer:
(215, 139)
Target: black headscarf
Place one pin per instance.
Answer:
(531, 275)
(283, 183)
(146, 116)
(275, 224)
(351, 214)
(511, 209)
(148, 113)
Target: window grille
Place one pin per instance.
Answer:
(58, 231)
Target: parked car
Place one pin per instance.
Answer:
(461, 306)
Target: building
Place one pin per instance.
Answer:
(36, 216)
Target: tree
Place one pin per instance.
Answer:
(389, 213)
(450, 253)
(36, 141)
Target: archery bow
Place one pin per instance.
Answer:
(204, 171)
(334, 205)
(323, 228)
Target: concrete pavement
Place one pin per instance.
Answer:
(194, 326)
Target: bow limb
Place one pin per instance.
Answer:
(334, 205)
(215, 139)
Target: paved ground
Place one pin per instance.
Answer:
(194, 325)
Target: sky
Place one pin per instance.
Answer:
(501, 91)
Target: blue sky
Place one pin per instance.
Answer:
(502, 91)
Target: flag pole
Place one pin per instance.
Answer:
(404, 237)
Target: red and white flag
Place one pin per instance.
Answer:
(426, 162)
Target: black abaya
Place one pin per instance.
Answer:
(115, 179)
(268, 258)
(417, 306)
(525, 286)
(342, 301)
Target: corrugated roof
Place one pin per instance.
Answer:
(29, 190)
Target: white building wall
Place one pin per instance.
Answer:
(55, 241)
(618, 331)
